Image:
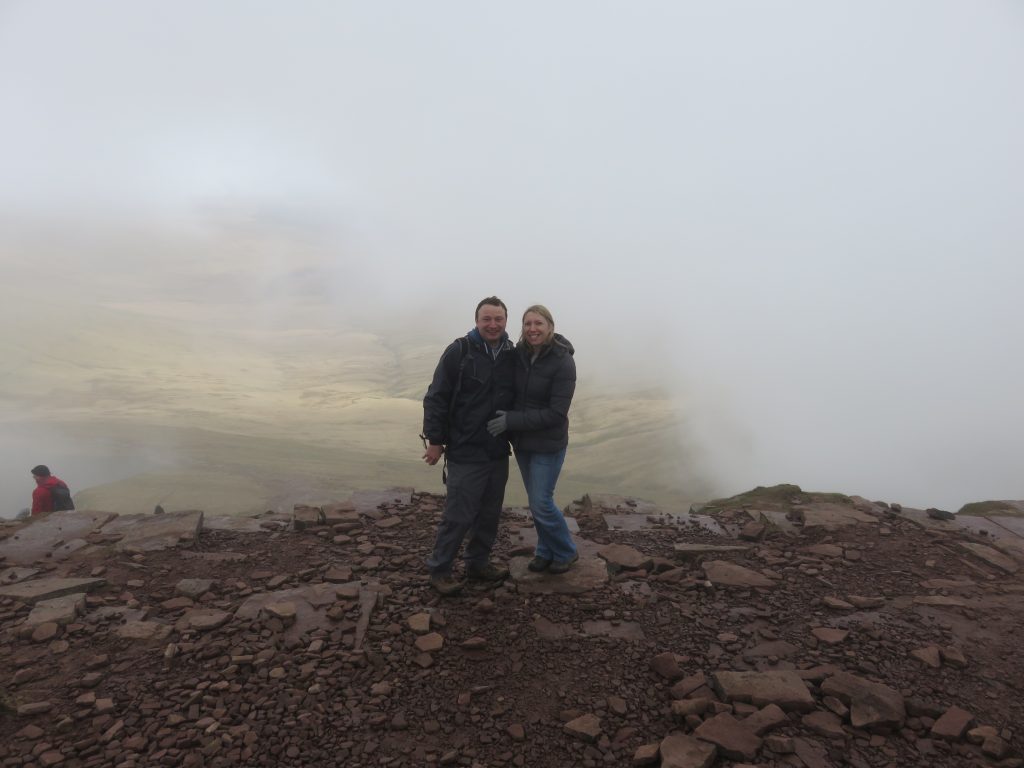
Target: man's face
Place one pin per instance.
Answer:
(490, 321)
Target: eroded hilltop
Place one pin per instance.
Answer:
(775, 628)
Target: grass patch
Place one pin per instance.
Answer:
(986, 508)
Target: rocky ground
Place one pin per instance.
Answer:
(777, 628)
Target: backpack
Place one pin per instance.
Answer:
(61, 496)
(463, 356)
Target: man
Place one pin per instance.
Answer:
(474, 379)
(51, 493)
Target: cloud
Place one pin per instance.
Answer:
(803, 221)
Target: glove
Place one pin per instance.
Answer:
(498, 424)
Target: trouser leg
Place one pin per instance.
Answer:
(524, 460)
(466, 486)
(553, 536)
(485, 527)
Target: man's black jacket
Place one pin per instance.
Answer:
(466, 392)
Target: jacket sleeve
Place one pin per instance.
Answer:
(437, 402)
(563, 386)
(41, 501)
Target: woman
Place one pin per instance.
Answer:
(539, 425)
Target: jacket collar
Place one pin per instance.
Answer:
(505, 345)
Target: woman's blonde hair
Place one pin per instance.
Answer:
(540, 309)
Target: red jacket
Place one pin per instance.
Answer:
(42, 500)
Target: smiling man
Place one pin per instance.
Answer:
(474, 379)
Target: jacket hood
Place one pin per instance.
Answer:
(559, 345)
(560, 340)
(475, 338)
(51, 482)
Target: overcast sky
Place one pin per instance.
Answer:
(803, 217)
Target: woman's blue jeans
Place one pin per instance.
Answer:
(540, 474)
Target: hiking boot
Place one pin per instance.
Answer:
(486, 572)
(538, 564)
(562, 566)
(445, 584)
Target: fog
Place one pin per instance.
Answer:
(800, 222)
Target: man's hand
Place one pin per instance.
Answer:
(433, 454)
(498, 424)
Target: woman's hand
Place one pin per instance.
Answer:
(498, 424)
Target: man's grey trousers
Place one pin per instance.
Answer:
(475, 495)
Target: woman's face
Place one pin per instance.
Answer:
(536, 330)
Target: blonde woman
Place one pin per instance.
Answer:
(539, 429)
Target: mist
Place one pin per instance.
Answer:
(798, 225)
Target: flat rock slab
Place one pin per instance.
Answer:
(59, 610)
(641, 521)
(419, 623)
(1012, 524)
(122, 612)
(952, 584)
(812, 754)
(233, 524)
(765, 719)
(309, 600)
(526, 536)
(862, 601)
(940, 601)
(628, 505)
(991, 556)
(430, 643)
(733, 740)
(930, 656)
(726, 574)
(829, 516)
(921, 517)
(63, 551)
(871, 704)
(214, 557)
(823, 550)
(681, 751)
(193, 588)
(987, 526)
(587, 574)
(622, 630)
(152, 533)
(40, 535)
(952, 725)
(203, 619)
(624, 557)
(46, 589)
(14, 575)
(340, 512)
(785, 689)
(825, 724)
(143, 630)
(586, 727)
(830, 635)
(687, 550)
(778, 648)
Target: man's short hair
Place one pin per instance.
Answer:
(492, 301)
(41, 470)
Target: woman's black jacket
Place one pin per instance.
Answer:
(544, 390)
